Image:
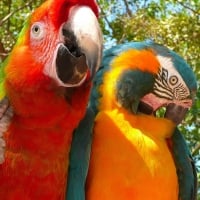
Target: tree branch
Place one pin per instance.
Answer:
(189, 8)
(3, 52)
(104, 16)
(196, 149)
(127, 8)
(13, 12)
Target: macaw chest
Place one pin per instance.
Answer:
(37, 169)
(127, 163)
(36, 162)
(38, 142)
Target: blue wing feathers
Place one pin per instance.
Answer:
(79, 158)
(185, 167)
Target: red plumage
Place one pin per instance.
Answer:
(38, 144)
(64, 10)
(45, 115)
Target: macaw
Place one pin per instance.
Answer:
(45, 82)
(134, 153)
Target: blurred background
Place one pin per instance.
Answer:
(173, 23)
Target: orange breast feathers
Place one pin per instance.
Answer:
(130, 159)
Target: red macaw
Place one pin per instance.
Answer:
(47, 80)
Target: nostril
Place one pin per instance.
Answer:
(70, 42)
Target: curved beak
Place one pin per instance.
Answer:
(176, 112)
(78, 55)
(75, 71)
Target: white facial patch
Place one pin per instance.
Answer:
(85, 26)
(172, 81)
(80, 35)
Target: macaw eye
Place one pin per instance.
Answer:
(173, 80)
(37, 30)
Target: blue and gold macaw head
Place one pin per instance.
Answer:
(143, 77)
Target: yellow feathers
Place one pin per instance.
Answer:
(134, 59)
(129, 162)
(130, 59)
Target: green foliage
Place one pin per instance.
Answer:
(12, 17)
(174, 23)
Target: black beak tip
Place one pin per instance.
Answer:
(70, 69)
(175, 113)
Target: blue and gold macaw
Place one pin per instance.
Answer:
(135, 154)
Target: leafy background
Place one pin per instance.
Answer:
(174, 23)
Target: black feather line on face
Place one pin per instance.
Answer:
(161, 86)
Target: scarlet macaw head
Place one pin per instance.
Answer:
(61, 41)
